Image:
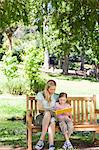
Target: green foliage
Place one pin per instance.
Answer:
(39, 84)
(32, 63)
(12, 11)
(10, 66)
(17, 86)
(73, 66)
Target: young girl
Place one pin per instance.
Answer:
(65, 120)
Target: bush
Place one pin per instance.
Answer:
(74, 66)
(15, 86)
(39, 85)
(19, 86)
(10, 66)
(32, 63)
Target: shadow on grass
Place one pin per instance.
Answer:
(13, 133)
(72, 77)
(78, 139)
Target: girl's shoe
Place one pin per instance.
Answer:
(65, 146)
(39, 145)
(69, 146)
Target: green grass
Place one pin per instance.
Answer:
(13, 133)
(12, 106)
(74, 85)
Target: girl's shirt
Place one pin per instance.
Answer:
(58, 107)
(45, 103)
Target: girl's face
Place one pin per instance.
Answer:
(51, 90)
(62, 100)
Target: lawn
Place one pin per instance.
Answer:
(12, 106)
(12, 110)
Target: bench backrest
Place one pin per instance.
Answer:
(83, 108)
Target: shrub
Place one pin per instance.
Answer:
(32, 64)
(16, 86)
(10, 66)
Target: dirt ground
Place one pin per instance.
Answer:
(9, 148)
(77, 146)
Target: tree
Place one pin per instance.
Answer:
(83, 19)
(11, 13)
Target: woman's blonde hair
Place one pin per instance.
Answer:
(49, 84)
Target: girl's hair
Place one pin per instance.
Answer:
(49, 84)
(63, 95)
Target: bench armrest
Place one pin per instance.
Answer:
(97, 111)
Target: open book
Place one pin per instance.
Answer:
(61, 111)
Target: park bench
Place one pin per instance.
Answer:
(84, 116)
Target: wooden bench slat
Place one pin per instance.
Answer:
(82, 110)
(91, 113)
(86, 110)
(94, 102)
(78, 111)
(74, 111)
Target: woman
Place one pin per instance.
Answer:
(46, 101)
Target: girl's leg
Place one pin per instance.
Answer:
(70, 128)
(64, 129)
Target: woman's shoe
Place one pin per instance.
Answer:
(39, 145)
(51, 147)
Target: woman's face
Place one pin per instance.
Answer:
(62, 100)
(51, 90)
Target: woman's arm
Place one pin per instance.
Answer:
(40, 105)
(39, 98)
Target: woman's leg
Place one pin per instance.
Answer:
(45, 124)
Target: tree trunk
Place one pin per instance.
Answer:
(1, 39)
(97, 71)
(82, 60)
(9, 35)
(65, 64)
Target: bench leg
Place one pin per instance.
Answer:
(29, 138)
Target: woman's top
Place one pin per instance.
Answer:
(47, 105)
(58, 107)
